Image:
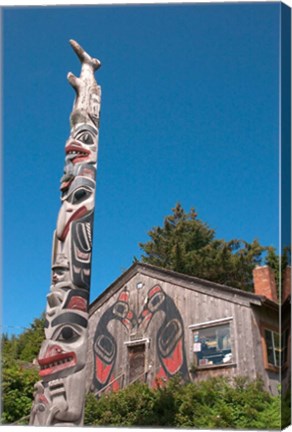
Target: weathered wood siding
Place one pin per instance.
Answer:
(133, 313)
(264, 318)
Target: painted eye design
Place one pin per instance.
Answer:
(105, 348)
(67, 334)
(80, 195)
(156, 301)
(121, 309)
(85, 137)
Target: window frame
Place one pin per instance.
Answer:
(207, 325)
(268, 327)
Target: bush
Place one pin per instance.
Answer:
(17, 391)
(131, 406)
(286, 407)
(213, 403)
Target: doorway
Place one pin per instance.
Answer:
(136, 355)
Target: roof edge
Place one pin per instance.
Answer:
(135, 267)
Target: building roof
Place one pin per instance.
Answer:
(185, 281)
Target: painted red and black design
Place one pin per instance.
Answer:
(168, 337)
(105, 345)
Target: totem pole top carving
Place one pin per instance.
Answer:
(86, 87)
(59, 396)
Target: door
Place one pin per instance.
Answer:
(136, 362)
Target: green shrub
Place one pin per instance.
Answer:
(213, 403)
(286, 408)
(17, 391)
(131, 406)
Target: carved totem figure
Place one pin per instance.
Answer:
(59, 396)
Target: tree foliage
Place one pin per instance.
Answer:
(18, 373)
(188, 245)
(18, 380)
(213, 403)
(278, 263)
(30, 341)
(25, 346)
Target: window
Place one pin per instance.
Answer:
(285, 346)
(212, 345)
(272, 347)
(276, 350)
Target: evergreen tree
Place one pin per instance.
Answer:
(30, 340)
(188, 245)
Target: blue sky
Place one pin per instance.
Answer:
(189, 114)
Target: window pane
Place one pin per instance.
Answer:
(212, 346)
(223, 335)
(276, 340)
(277, 347)
(277, 357)
(270, 347)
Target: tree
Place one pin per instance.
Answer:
(29, 342)
(25, 346)
(277, 262)
(188, 245)
(18, 373)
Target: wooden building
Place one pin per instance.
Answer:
(152, 323)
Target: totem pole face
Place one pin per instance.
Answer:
(59, 398)
(82, 146)
(62, 354)
(62, 363)
(60, 270)
(77, 201)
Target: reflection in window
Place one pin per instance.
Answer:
(272, 340)
(212, 345)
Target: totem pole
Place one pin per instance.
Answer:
(59, 396)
